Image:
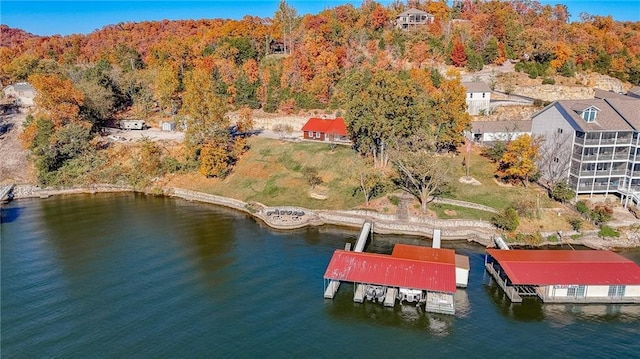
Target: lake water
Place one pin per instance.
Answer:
(146, 277)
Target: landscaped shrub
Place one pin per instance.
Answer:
(601, 213)
(548, 81)
(394, 200)
(606, 231)
(561, 192)
(582, 207)
(507, 220)
(552, 238)
(495, 151)
(576, 223)
(526, 207)
(533, 239)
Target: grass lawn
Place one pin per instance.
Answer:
(446, 211)
(271, 172)
(489, 192)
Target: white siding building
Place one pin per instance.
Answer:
(602, 139)
(498, 131)
(412, 17)
(22, 92)
(478, 97)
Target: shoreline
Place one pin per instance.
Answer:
(291, 217)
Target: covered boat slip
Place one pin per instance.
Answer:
(384, 278)
(565, 276)
(437, 255)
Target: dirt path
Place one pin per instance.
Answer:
(14, 166)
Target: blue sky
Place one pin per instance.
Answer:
(67, 17)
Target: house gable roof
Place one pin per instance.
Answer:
(500, 126)
(629, 110)
(603, 94)
(478, 86)
(608, 119)
(413, 11)
(634, 92)
(21, 86)
(334, 125)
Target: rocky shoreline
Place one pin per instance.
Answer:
(288, 217)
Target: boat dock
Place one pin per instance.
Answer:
(508, 290)
(410, 275)
(332, 288)
(5, 193)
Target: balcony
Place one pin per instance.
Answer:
(596, 188)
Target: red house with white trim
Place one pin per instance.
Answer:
(325, 129)
(566, 276)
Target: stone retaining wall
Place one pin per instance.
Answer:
(27, 191)
(453, 229)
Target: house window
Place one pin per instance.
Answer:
(616, 290)
(317, 134)
(483, 94)
(589, 115)
(576, 291)
(310, 134)
(470, 95)
(560, 130)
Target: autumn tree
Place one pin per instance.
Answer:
(206, 112)
(53, 147)
(447, 112)
(99, 102)
(286, 18)
(245, 122)
(421, 172)
(166, 86)
(57, 99)
(458, 53)
(283, 130)
(370, 180)
(379, 109)
(554, 158)
(214, 159)
(518, 163)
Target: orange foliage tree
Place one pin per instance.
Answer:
(458, 55)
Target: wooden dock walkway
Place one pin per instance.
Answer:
(5, 192)
(364, 235)
(509, 290)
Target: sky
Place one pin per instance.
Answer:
(84, 16)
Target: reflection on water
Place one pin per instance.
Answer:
(343, 308)
(129, 275)
(533, 309)
(8, 215)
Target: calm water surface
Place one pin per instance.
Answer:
(136, 276)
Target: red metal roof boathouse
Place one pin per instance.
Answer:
(411, 274)
(566, 276)
(380, 269)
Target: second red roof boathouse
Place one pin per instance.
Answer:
(565, 276)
